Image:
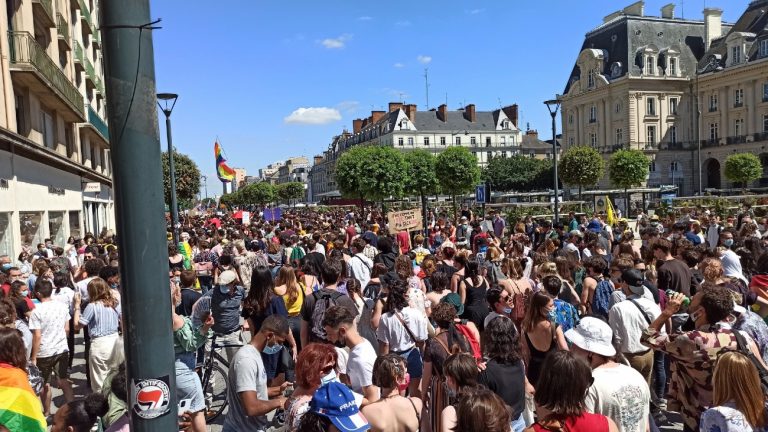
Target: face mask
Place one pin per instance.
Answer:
(329, 378)
(272, 349)
(728, 243)
(177, 280)
(507, 310)
(113, 286)
(25, 293)
(224, 289)
(552, 315)
(403, 386)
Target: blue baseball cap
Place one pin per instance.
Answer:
(337, 402)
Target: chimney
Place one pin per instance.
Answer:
(394, 106)
(635, 9)
(511, 112)
(442, 113)
(318, 159)
(357, 125)
(668, 11)
(469, 113)
(410, 111)
(532, 133)
(376, 116)
(612, 16)
(366, 122)
(713, 25)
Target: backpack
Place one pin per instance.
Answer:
(323, 301)
(601, 301)
(297, 253)
(364, 324)
(474, 344)
(743, 347)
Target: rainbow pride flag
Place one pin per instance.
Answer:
(225, 173)
(20, 409)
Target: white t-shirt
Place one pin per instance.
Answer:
(66, 296)
(392, 332)
(360, 366)
(82, 288)
(621, 394)
(50, 317)
(628, 323)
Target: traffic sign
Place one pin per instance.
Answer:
(480, 195)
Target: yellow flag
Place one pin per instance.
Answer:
(610, 215)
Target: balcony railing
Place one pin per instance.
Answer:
(98, 123)
(761, 136)
(741, 139)
(738, 104)
(710, 143)
(79, 55)
(62, 28)
(46, 6)
(26, 51)
(85, 14)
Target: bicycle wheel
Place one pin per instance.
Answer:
(215, 393)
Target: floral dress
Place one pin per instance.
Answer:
(726, 418)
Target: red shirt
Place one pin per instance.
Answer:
(586, 422)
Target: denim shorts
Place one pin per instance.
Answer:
(413, 362)
(188, 386)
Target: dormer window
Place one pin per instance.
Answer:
(404, 124)
(672, 66)
(764, 48)
(505, 124)
(736, 55)
(650, 65)
(591, 79)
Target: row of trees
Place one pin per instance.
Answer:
(264, 193)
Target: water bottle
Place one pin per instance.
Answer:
(686, 300)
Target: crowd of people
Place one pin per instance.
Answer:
(333, 321)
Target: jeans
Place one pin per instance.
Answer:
(294, 323)
(518, 424)
(659, 374)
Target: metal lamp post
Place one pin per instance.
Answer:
(553, 106)
(169, 101)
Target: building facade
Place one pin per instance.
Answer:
(485, 133)
(670, 87)
(55, 165)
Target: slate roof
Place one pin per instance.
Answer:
(753, 20)
(428, 121)
(623, 37)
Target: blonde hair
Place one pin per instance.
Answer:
(547, 269)
(99, 290)
(736, 379)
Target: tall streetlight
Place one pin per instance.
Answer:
(553, 106)
(168, 102)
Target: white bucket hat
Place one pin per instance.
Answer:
(593, 335)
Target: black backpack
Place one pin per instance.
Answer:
(323, 301)
(743, 347)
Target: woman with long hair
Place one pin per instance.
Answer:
(504, 372)
(394, 410)
(542, 335)
(565, 272)
(403, 330)
(517, 285)
(102, 316)
(22, 410)
(460, 378)
(373, 288)
(416, 288)
(472, 293)
(446, 341)
(260, 303)
(310, 269)
(712, 269)
(440, 283)
(19, 296)
(292, 293)
(481, 410)
(315, 365)
(738, 403)
(459, 263)
(560, 402)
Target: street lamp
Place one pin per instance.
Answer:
(168, 102)
(553, 106)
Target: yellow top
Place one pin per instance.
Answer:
(295, 308)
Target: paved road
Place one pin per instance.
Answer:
(80, 388)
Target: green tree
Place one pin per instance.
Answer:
(371, 172)
(187, 178)
(581, 166)
(518, 173)
(290, 191)
(628, 168)
(261, 193)
(422, 178)
(457, 172)
(743, 168)
(231, 199)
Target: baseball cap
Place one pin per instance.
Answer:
(227, 277)
(337, 402)
(576, 233)
(447, 244)
(634, 279)
(593, 335)
(454, 300)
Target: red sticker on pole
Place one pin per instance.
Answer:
(151, 398)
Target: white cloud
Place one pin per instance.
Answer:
(403, 23)
(364, 18)
(313, 116)
(475, 11)
(399, 65)
(424, 59)
(336, 43)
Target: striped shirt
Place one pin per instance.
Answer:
(101, 320)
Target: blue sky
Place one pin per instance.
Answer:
(278, 79)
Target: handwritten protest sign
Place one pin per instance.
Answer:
(405, 220)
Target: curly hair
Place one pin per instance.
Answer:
(717, 302)
(311, 362)
(444, 315)
(500, 341)
(396, 300)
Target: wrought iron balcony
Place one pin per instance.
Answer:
(62, 28)
(26, 55)
(43, 10)
(741, 139)
(85, 14)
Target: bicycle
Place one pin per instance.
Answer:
(214, 380)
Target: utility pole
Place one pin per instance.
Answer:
(139, 204)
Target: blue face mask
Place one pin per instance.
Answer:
(272, 349)
(224, 289)
(552, 315)
(25, 293)
(329, 378)
(507, 310)
(728, 243)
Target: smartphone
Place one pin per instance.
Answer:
(288, 391)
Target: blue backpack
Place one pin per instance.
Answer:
(601, 301)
